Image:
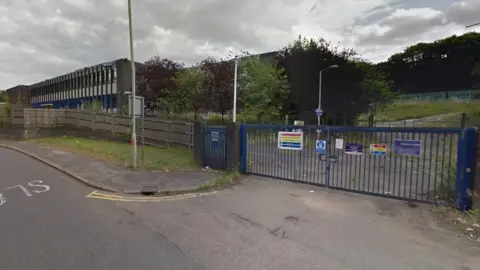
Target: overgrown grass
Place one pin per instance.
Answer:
(419, 109)
(155, 158)
(224, 181)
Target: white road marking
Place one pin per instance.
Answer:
(22, 188)
(46, 188)
(35, 184)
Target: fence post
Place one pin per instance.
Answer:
(243, 148)
(476, 172)
(463, 121)
(371, 119)
(233, 147)
(465, 167)
(198, 144)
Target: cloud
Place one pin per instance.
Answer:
(45, 38)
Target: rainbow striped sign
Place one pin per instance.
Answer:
(290, 140)
(378, 149)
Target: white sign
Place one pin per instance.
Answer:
(319, 112)
(338, 143)
(139, 106)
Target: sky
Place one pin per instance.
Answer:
(40, 39)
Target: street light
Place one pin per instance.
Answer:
(472, 25)
(234, 113)
(134, 135)
(320, 90)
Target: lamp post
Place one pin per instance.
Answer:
(472, 25)
(234, 113)
(134, 135)
(320, 90)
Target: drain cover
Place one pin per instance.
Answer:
(149, 190)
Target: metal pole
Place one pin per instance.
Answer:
(319, 95)
(235, 92)
(134, 135)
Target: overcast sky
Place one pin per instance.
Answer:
(40, 39)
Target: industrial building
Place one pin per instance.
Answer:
(106, 83)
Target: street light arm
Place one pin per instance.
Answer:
(472, 25)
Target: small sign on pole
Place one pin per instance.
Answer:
(319, 112)
(139, 106)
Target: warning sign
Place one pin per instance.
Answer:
(378, 149)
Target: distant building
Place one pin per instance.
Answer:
(105, 82)
(19, 95)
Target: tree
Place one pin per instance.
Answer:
(376, 89)
(341, 92)
(3, 96)
(263, 88)
(190, 94)
(219, 84)
(443, 65)
(155, 81)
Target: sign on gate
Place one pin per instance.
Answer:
(214, 135)
(407, 147)
(354, 149)
(378, 149)
(290, 140)
(320, 147)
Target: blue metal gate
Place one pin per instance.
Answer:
(414, 164)
(215, 147)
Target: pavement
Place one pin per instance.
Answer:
(48, 223)
(109, 177)
(272, 224)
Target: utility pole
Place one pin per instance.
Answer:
(234, 113)
(132, 61)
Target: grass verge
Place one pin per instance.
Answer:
(467, 223)
(420, 109)
(223, 181)
(155, 158)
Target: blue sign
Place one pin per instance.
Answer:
(319, 112)
(354, 149)
(407, 147)
(320, 147)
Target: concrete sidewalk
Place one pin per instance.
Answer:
(105, 176)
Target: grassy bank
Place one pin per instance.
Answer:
(420, 109)
(155, 158)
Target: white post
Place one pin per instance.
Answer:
(134, 135)
(235, 92)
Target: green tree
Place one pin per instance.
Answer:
(3, 96)
(190, 95)
(376, 89)
(263, 89)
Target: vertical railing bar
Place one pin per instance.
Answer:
(357, 187)
(395, 161)
(390, 158)
(401, 185)
(430, 166)
(442, 184)
(412, 160)
(364, 159)
(424, 141)
(380, 159)
(436, 167)
(450, 164)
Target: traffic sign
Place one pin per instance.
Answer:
(320, 147)
(319, 112)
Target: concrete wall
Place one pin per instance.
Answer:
(52, 122)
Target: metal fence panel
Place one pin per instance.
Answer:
(414, 164)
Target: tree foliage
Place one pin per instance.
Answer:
(263, 88)
(155, 81)
(341, 91)
(3, 96)
(443, 65)
(190, 95)
(376, 88)
(219, 84)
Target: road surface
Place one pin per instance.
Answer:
(46, 222)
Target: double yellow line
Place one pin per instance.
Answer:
(133, 198)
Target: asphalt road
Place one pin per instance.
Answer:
(46, 222)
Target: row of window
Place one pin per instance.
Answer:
(76, 80)
(94, 91)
